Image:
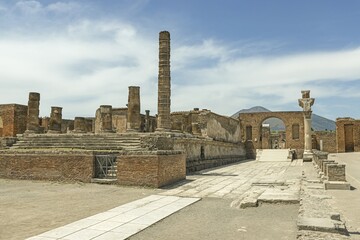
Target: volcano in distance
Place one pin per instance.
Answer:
(318, 123)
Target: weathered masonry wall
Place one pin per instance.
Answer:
(207, 124)
(205, 153)
(146, 168)
(251, 129)
(119, 120)
(328, 141)
(200, 152)
(347, 135)
(152, 169)
(12, 119)
(47, 166)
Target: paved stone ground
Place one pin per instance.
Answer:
(225, 191)
(235, 181)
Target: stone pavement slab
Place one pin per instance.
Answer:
(320, 224)
(120, 222)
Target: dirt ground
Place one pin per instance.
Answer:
(28, 208)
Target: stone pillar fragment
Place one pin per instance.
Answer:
(147, 121)
(133, 116)
(55, 120)
(164, 86)
(79, 125)
(306, 102)
(106, 119)
(32, 125)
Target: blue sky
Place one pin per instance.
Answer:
(226, 55)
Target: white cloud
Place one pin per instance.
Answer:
(92, 62)
(69, 69)
(29, 6)
(63, 7)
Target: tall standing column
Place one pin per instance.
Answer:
(164, 85)
(306, 102)
(55, 120)
(32, 125)
(133, 115)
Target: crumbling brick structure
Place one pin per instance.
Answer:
(12, 119)
(347, 135)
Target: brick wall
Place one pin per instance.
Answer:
(47, 166)
(152, 169)
(328, 139)
(13, 118)
(340, 133)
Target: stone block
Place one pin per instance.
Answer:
(336, 172)
(336, 185)
(321, 225)
(152, 169)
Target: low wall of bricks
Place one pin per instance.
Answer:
(36, 165)
(151, 169)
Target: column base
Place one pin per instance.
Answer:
(162, 130)
(28, 132)
(53, 132)
(308, 156)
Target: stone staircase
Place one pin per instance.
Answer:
(273, 155)
(101, 142)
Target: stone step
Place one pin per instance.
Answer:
(273, 155)
(104, 180)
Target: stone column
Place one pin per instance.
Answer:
(55, 120)
(79, 125)
(106, 119)
(133, 115)
(32, 125)
(306, 102)
(164, 87)
(147, 120)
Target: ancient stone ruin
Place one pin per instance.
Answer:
(123, 145)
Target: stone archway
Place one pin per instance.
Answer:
(272, 134)
(251, 123)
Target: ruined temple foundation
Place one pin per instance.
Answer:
(32, 125)
(164, 85)
(133, 116)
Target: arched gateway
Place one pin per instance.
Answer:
(252, 130)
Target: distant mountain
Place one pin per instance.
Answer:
(318, 123)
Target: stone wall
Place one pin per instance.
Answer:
(201, 153)
(341, 123)
(207, 124)
(328, 141)
(119, 120)
(119, 116)
(13, 119)
(67, 125)
(152, 169)
(77, 166)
